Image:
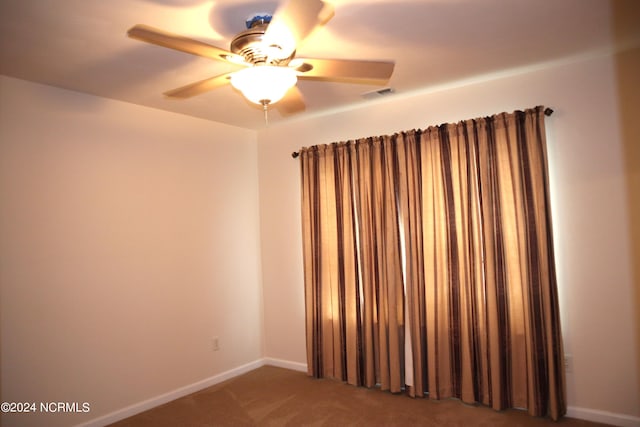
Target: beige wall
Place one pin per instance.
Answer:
(129, 238)
(590, 214)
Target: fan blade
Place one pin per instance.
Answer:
(294, 21)
(291, 103)
(376, 72)
(183, 44)
(199, 87)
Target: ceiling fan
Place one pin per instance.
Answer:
(267, 50)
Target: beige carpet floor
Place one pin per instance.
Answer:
(271, 396)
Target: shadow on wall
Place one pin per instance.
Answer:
(626, 16)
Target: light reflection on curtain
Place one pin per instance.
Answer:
(467, 205)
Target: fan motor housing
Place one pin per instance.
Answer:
(251, 46)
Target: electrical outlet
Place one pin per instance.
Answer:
(215, 344)
(568, 363)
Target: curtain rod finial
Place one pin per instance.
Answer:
(548, 111)
(295, 154)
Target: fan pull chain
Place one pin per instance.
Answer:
(266, 115)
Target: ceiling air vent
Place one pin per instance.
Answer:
(378, 93)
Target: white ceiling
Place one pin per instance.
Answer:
(82, 45)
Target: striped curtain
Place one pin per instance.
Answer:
(428, 263)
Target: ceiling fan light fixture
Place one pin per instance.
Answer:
(264, 84)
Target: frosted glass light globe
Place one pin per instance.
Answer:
(264, 84)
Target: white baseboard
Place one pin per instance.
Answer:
(136, 408)
(603, 417)
(294, 366)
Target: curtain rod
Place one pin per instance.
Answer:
(547, 112)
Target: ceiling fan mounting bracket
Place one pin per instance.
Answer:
(258, 19)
